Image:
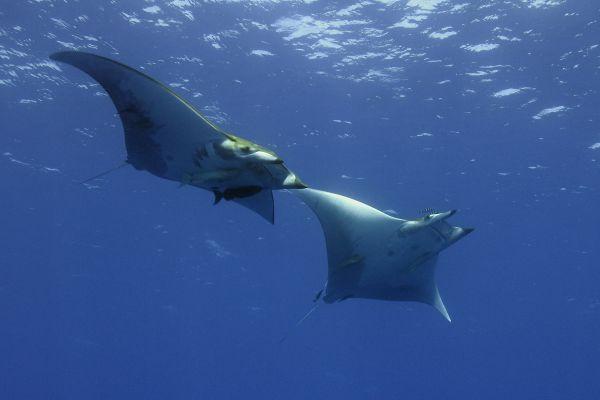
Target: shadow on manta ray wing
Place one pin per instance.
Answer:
(372, 255)
(166, 136)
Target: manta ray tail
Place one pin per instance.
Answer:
(101, 174)
(300, 321)
(439, 305)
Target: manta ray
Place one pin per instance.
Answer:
(372, 255)
(166, 136)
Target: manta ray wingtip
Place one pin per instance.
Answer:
(438, 304)
(61, 55)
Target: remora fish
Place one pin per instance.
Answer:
(166, 136)
(372, 255)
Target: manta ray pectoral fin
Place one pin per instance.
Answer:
(427, 291)
(261, 203)
(157, 122)
(438, 304)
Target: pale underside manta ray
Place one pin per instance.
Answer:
(370, 254)
(166, 136)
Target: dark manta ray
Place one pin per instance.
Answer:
(166, 136)
(372, 255)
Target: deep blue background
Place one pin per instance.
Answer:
(132, 288)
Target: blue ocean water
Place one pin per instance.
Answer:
(130, 287)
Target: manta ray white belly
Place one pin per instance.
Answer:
(373, 255)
